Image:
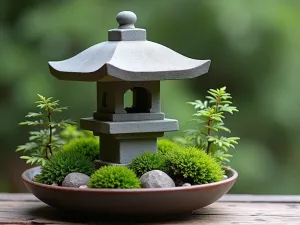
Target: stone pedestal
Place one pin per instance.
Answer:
(120, 142)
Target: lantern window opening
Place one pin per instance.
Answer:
(104, 99)
(137, 100)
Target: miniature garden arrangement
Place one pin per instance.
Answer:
(119, 155)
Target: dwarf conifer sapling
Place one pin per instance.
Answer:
(44, 142)
(210, 117)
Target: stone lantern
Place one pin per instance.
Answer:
(127, 61)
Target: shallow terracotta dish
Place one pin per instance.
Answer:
(160, 201)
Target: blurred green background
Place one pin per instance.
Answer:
(255, 51)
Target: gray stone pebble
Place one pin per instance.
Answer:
(75, 180)
(156, 179)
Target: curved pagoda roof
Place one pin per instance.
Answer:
(128, 56)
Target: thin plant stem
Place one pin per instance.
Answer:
(50, 130)
(210, 121)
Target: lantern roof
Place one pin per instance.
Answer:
(128, 56)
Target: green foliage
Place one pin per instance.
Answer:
(165, 145)
(148, 161)
(190, 165)
(72, 132)
(114, 177)
(61, 164)
(245, 57)
(88, 147)
(210, 122)
(44, 142)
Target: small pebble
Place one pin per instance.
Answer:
(83, 186)
(224, 177)
(186, 185)
(54, 184)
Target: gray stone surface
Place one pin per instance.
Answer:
(129, 61)
(127, 35)
(122, 149)
(156, 179)
(126, 19)
(186, 185)
(127, 30)
(110, 96)
(129, 127)
(123, 141)
(128, 117)
(75, 180)
(128, 56)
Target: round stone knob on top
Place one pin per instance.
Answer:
(126, 19)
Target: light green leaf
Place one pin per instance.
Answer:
(33, 114)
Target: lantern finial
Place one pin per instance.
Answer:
(126, 19)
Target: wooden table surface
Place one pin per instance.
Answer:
(231, 209)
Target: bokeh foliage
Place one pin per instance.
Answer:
(254, 48)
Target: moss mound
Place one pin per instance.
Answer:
(61, 164)
(192, 165)
(88, 147)
(148, 161)
(114, 177)
(165, 145)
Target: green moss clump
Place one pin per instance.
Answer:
(193, 166)
(165, 145)
(89, 147)
(148, 161)
(61, 164)
(114, 177)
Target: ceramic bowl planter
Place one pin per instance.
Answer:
(158, 201)
(127, 61)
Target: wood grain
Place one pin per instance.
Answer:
(261, 198)
(231, 209)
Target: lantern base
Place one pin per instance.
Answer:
(122, 149)
(121, 142)
(129, 127)
(123, 117)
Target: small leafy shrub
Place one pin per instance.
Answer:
(148, 161)
(45, 142)
(114, 177)
(88, 147)
(61, 164)
(210, 117)
(193, 166)
(165, 145)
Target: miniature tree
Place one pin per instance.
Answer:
(44, 142)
